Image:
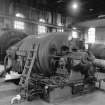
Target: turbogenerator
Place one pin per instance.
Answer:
(57, 62)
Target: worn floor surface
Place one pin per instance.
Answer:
(8, 90)
(95, 98)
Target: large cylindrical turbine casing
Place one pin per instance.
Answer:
(45, 46)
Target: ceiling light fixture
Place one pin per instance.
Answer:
(75, 6)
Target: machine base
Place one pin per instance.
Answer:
(62, 93)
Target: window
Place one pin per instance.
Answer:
(60, 30)
(42, 20)
(91, 35)
(41, 28)
(19, 15)
(19, 25)
(74, 34)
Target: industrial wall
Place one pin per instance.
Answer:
(4, 12)
(53, 20)
(98, 24)
(99, 35)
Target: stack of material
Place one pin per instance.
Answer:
(100, 76)
(13, 75)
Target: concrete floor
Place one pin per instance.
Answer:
(8, 91)
(96, 98)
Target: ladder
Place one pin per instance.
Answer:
(24, 80)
